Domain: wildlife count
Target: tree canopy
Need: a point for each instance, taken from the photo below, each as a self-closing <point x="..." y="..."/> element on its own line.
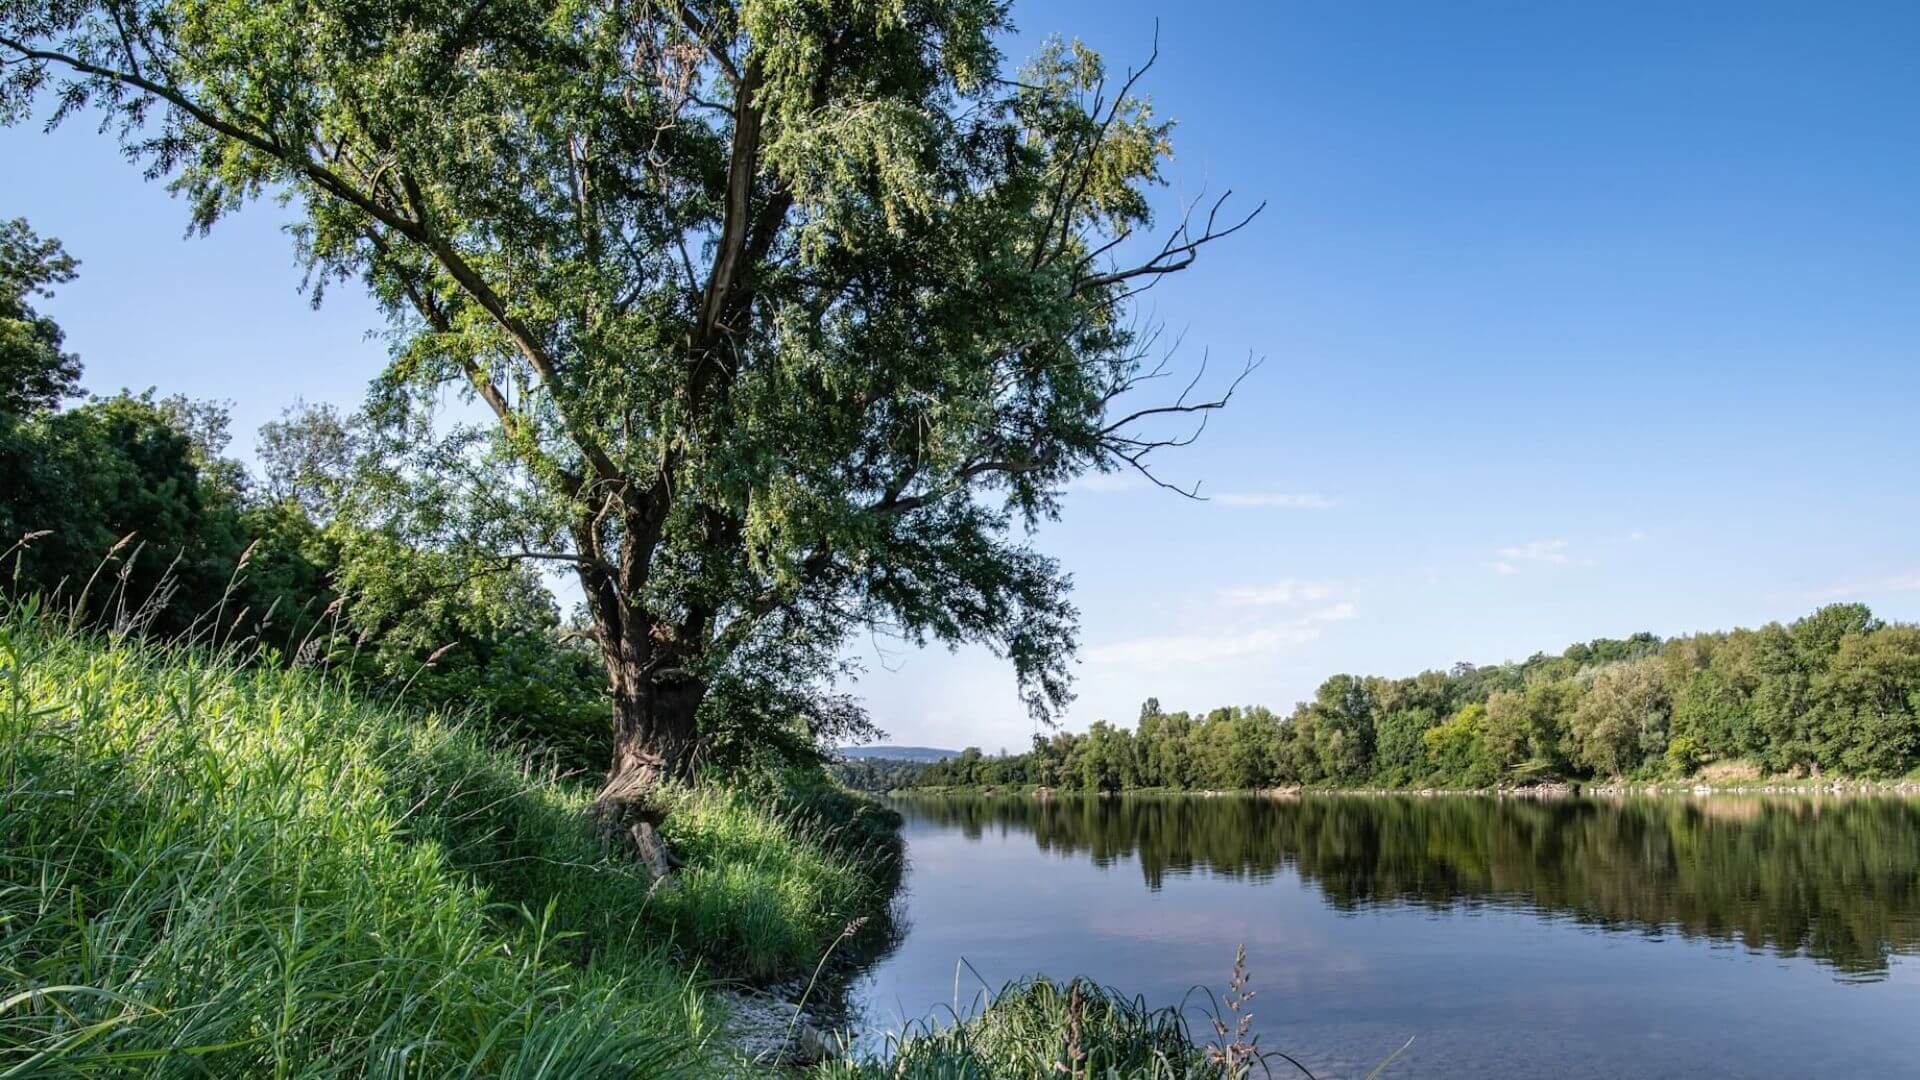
<point x="789" y="315"/>
<point x="34" y="373"/>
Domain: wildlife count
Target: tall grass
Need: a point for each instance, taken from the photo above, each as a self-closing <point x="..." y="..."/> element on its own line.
<point x="1079" y="1030"/>
<point x="768" y="888"/>
<point x="1038" y="1028"/>
<point x="210" y="869"/>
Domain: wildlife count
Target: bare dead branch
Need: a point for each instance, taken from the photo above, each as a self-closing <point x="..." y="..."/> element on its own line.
<point x="1179" y="250"/>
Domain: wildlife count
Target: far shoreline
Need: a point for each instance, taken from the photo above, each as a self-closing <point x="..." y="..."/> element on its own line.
<point x="1908" y="786"/>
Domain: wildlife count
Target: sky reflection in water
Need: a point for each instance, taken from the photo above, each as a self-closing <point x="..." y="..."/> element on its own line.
<point x="1728" y="935"/>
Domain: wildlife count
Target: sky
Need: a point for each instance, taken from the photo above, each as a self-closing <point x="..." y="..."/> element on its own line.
<point x="1576" y="320"/>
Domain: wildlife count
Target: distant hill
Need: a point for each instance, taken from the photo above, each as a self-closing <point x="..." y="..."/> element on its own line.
<point x="896" y="753"/>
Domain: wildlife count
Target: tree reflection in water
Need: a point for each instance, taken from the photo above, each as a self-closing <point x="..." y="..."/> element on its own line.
<point x="1837" y="880"/>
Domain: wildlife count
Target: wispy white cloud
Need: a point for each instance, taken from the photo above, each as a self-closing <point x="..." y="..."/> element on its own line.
<point x="1546" y="551"/>
<point x="1287" y="592"/>
<point x="1512" y="559"/>
<point x="1271" y="500"/>
<point x="1340" y="612"/>
<point x="1226" y="645"/>
<point x="1895" y="583"/>
<point x="1189" y="650"/>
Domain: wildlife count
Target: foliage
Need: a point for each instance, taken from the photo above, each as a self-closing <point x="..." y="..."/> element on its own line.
<point x="787" y="317"/>
<point x="1457" y="748"/>
<point x="1837" y="691"/>
<point x="876" y="774"/>
<point x="1621" y="719"/>
<point x="34" y="373"/>
<point x="308" y="455"/>
<point x="1867" y="697"/>
<point x="459" y="634"/>
<point x="116" y="476"/>
<point x="126" y="509"/>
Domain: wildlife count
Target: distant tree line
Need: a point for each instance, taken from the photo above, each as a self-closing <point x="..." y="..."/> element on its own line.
<point x="1837" y="692"/>
<point x="878" y="774"/>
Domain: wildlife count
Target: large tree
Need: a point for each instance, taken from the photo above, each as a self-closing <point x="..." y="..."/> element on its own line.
<point x="788" y="314"/>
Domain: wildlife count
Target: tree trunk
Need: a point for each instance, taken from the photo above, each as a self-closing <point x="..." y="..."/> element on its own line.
<point x="655" y="739"/>
<point x="655" y="736"/>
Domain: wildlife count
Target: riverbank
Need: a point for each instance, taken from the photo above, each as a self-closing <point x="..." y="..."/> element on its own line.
<point x="1756" y="785"/>
<point x="253" y="870"/>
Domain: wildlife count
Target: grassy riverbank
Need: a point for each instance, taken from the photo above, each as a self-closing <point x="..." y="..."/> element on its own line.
<point x="254" y="871"/>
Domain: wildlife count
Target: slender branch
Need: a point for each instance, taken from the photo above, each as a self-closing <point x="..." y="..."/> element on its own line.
<point x="1123" y="447"/>
<point x="1179" y="250"/>
<point x="572" y="558"/>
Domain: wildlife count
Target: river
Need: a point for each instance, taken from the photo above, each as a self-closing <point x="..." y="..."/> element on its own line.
<point x="1718" y="935"/>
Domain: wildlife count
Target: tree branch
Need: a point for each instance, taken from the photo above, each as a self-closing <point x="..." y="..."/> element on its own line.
<point x="741" y="170"/>
<point x="1179" y="250"/>
<point x="700" y="32"/>
<point x="1133" y="450"/>
<point x="332" y="183"/>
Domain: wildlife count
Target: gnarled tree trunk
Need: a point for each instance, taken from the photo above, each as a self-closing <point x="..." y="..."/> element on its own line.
<point x="656" y="736"/>
<point x="654" y="739"/>
<point x="655" y="733"/>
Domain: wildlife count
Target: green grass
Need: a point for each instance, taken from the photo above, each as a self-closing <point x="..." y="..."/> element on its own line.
<point x="208" y="870"/>
<point x="1041" y="1028"/>
<point x="761" y="904"/>
<point x="1081" y="1031"/>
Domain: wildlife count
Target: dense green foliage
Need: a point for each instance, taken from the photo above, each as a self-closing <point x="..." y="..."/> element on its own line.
<point x="125" y="511"/>
<point x="877" y="774"/>
<point x="34" y="373"/>
<point x="221" y="870"/>
<point x="1837" y="692"/>
<point x="785" y="317"/>
<point x="1837" y="880"/>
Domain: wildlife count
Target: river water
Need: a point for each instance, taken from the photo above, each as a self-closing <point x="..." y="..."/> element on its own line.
<point x="1719" y="936"/>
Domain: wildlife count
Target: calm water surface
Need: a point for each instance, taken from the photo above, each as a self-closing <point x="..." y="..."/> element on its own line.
<point x="1720" y="936"/>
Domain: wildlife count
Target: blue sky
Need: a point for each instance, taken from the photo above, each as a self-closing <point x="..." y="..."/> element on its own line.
<point x="1577" y="319"/>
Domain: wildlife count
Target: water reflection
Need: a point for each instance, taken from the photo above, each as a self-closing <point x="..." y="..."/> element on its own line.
<point x="1837" y="880"/>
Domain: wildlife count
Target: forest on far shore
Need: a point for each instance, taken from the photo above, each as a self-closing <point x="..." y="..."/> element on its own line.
<point x="1834" y="693"/>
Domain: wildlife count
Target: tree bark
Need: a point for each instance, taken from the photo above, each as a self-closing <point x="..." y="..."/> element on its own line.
<point x="655" y="739"/>
<point x="655" y="734"/>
